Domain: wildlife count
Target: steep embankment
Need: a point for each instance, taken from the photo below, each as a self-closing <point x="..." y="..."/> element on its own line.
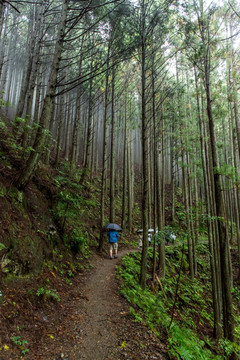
<point x="26" y="216"/>
<point x="54" y="212"/>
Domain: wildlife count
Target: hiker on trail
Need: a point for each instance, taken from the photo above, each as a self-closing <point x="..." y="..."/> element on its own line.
<point x="113" y="242"/>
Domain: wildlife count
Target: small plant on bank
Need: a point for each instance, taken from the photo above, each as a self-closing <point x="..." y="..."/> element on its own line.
<point x="77" y="242"/>
<point x="68" y="281"/>
<point x="4" y="103"/>
<point x="21" y="344"/>
<point x="47" y="294"/>
<point x="70" y="274"/>
<point x="2" y="246"/>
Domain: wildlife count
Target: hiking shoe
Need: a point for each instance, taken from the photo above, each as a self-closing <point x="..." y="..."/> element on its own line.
<point x="115" y="256"/>
<point x="110" y="258"/>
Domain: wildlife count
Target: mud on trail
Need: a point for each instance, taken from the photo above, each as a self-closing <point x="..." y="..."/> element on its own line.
<point x="92" y="322"/>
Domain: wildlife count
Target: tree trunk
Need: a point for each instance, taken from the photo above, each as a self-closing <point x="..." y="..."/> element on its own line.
<point x="26" y="78"/>
<point x="228" y="321"/>
<point x="130" y="187"/>
<point x="3" y="40"/>
<point x="32" y="161"/>
<point x="214" y="257"/>
<point x="89" y="137"/>
<point x="2" y="8"/>
<point x="124" y="181"/>
<point x="60" y="117"/>
<point x="68" y="128"/>
<point x="145" y="149"/>
<point x="112" y="167"/>
<point x="104" y="156"/>
<point x="161" y="196"/>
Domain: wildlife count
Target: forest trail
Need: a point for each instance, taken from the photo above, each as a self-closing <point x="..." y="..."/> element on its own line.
<point x="90" y="322"/>
<point x="107" y="332"/>
<point x="101" y="309"/>
<point x="104" y="329"/>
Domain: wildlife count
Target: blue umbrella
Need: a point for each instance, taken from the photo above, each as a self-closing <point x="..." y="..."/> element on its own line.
<point x="113" y="227"/>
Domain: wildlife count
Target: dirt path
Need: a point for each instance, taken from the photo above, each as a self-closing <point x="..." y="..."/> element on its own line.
<point x="91" y="322"/>
<point x="101" y="308"/>
<point x="107" y="332"/>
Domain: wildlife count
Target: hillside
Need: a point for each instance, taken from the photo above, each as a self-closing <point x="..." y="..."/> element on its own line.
<point x="53" y="211"/>
<point x="49" y="260"/>
<point x="48" y="234"/>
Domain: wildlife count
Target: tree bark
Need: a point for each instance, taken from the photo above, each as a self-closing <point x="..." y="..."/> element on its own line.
<point x="32" y="161"/>
<point x="124" y="181"/>
<point x="89" y="137"/>
<point x="104" y="156"/>
<point x="112" y="160"/>
<point x="145" y="149"/>
<point x="228" y="320"/>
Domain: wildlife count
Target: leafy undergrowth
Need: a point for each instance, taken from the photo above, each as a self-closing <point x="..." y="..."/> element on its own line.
<point x="33" y="307"/>
<point x="182" y="318"/>
<point x="53" y="212"/>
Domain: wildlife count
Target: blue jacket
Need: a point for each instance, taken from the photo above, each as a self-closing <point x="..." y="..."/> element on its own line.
<point x="113" y="236"/>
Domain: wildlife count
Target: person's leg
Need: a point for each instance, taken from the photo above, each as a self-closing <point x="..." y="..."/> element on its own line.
<point x="115" y="250"/>
<point x="111" y="251"/>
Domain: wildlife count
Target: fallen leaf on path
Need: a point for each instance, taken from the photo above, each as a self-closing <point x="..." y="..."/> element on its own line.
<point x="52" y="273"/>
<point x="124" y="345"/>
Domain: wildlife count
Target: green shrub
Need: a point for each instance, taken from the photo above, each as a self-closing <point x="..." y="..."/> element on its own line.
<point x="155" y="310"/>
<point x="47" y="294"/>
<point x="21" y="344"/>
<point x="77" y="242"/>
